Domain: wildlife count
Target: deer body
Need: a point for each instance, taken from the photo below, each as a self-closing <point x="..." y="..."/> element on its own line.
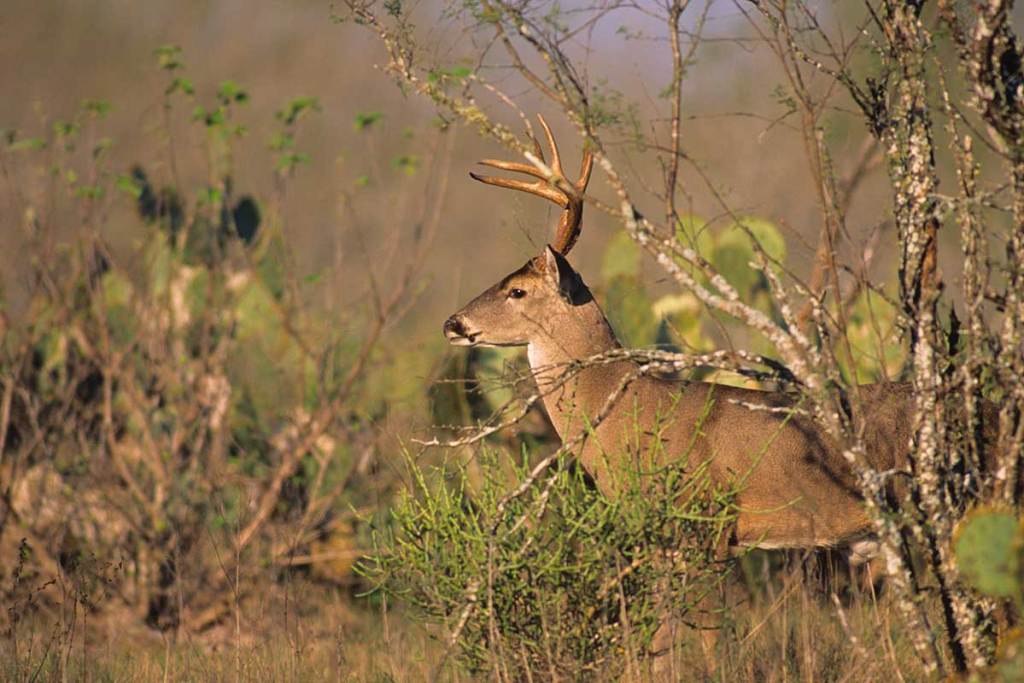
<point x="797" y="490"/>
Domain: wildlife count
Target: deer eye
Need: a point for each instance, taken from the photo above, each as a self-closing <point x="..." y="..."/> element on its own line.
<point x="516" y="293"/>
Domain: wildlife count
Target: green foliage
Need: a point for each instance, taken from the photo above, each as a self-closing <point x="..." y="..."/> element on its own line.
<point x="283" y="142"/>
<point x="630" y="312"/>
<point x="169" y="57"/>
<point x="229" y="92"/>
<point x="97" y="108"/>
<point x="560" y="578"/>
<point x="989" y="547"/>
<point x="1009" y="664"/>
<point x="874" y="339"/>
<point x="679" y="317"/>
<point x="693" y="232"/>
<point x="608" y="107"/>
<point x="734" y="251"/>
<point x="296" y="108"/>
<point x="626" y="302"/>
<point x="682" y="315"/>
<point x="621" y="257"/>
<point x="444" y="76"/>
<point x="365" y="120"/>
<point x="989" y="550"/>
<point x="406" y="163"/>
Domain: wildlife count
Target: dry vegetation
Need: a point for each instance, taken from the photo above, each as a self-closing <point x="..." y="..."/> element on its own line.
<point x="228" y="242"/>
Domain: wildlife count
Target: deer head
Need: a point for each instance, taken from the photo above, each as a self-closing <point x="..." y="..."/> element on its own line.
<point x="546" y="293"/>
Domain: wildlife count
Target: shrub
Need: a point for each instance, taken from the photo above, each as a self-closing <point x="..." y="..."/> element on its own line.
<point x="552" y="577"/>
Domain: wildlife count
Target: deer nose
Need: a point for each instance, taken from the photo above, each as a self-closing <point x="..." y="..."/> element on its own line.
<point x="453" y="327"/>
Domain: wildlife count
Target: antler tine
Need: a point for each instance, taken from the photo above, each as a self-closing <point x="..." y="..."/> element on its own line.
<point x="556" y="159"/>
<point x="570" y="200"/>
<point x="586" y="166"/>
<point x="569" y="225"/>
<point x="537" y="149"/>
<point x="518" y="167"/>
<point x="537" y="187"/>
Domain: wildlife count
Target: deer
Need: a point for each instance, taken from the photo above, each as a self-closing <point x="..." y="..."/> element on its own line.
<point x="798" y="490"/>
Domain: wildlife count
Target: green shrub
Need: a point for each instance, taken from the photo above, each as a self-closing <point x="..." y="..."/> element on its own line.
<point x="558" y="578"/>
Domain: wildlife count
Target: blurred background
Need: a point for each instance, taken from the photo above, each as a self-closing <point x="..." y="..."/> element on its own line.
<point x="56" y="54"/>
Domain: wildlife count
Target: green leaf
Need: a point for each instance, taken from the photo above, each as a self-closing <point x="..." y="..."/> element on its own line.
<point x="874" y="338"/>
<point x="231" y="92"/>
<point x="28" y="143"/>
<point x="492" y="373"/>
<point x="988" y="547"/>
<point x="117" y="298"/>
<point x="89" y="191"/>
<point x="767" y="235"/>
<point x="364" y="120"/>
<point x="282" y="141"/>
<point x="168" y="57"/>
<point x="270" y="264"/>
<point x="209" y="196"/>
<point x="731" y="258"/>
<point x="682" y="313"/>
<point x="180" y="84"/>
<point x="407" y="163"/>
<point x="102" y="146"/>
<point x="296" y="109"/>
<point x="98" y="108"/>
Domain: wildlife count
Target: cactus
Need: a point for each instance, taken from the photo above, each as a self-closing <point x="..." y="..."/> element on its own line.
<point x="734" y="251"/>
<point x="989" y="550"/>
<point x="989" y="545"/>
<point x="874" y="339"/>
<point x="626" y="302"/>
<point x="641" y="322"/>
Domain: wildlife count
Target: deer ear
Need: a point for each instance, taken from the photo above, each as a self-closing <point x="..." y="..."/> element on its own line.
<point x="560" y="274"/>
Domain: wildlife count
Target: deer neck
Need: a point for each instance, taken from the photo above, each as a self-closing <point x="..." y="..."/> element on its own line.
<point x="572" y="396"/>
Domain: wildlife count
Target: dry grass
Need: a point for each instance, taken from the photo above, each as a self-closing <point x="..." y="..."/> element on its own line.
<point x="788" y="629"/>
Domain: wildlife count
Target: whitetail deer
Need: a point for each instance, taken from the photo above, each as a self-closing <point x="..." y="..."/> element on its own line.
<point x="797" y="492"/>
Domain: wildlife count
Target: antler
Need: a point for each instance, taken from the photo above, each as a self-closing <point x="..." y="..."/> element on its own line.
<point x="549" y="188"/>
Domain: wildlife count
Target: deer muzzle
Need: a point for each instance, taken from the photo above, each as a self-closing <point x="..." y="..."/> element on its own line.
<point x="456" y="333"/>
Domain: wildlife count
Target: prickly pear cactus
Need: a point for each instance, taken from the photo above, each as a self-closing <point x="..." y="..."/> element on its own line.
<point x="989" y="550"/>
<point x="626" y="302"/>
<point x="988" y="547"/>
<point x="734" y="251"/>
<point x="874" y="339"/>
<point x="679" y="317"/>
